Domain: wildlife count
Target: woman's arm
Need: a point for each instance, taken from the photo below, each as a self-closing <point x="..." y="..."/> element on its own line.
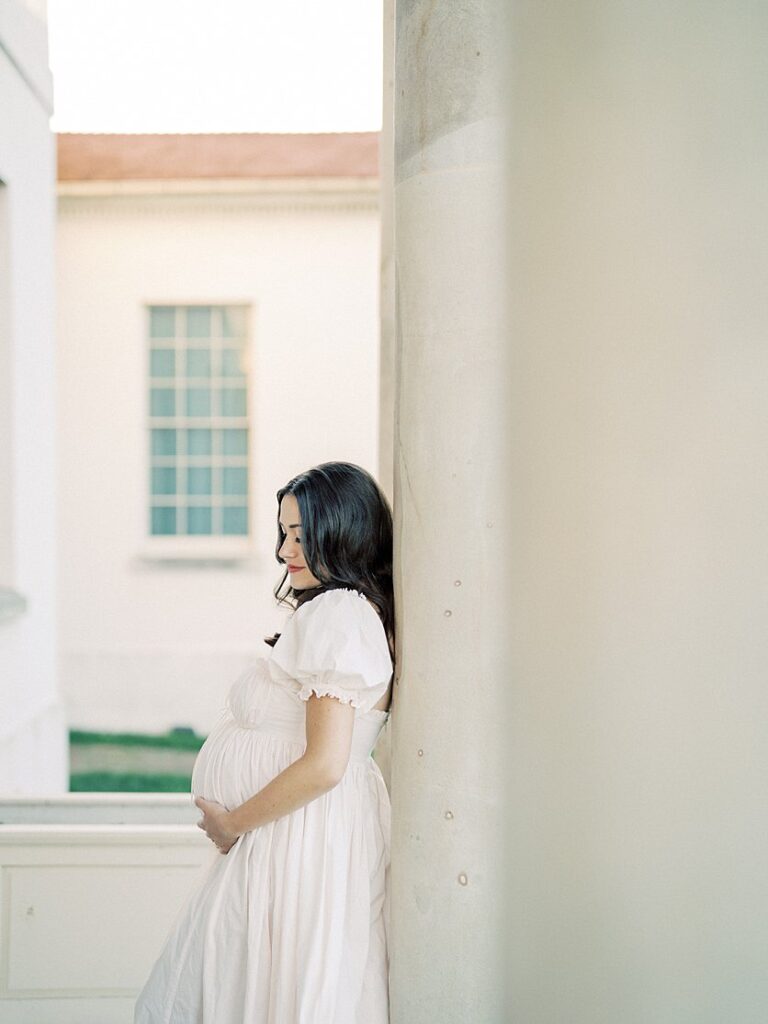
<point x="329" y="725"/>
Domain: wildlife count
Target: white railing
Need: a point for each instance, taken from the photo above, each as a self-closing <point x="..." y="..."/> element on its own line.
<point x="90" y="885"/>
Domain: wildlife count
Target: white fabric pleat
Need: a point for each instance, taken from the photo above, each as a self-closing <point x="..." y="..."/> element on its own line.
<point x="291" y="926"/>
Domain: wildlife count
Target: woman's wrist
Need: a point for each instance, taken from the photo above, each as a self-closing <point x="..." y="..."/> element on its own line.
<point x="233" y="824"/>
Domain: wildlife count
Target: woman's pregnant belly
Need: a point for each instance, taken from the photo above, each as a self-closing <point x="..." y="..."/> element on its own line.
<point x="260" y="732"/>
<point x="237" y="761"/>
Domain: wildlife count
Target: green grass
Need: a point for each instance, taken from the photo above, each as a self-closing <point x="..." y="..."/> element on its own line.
<point x="123" y="782"/>
<point x="170" y="741"/>
<point x="105" y="781"/>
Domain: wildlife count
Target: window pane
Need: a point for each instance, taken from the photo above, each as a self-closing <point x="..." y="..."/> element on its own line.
<point x="163" y="480"/>
<point x="199" y="520"/>
<point x="198" y="442"/>
<point x="162" y="321"/>
<point x="162" y="362"/>
<point x="234" y="480"/>
<point x="163" y="442"/>
<point x="163" y="520"/>
<point x="198" y="402"/>
<point x="198" y="362"/>
<point x="232" y="360"/>
<point x="198" y="321"/>
<point x="162" y="402"/>
<point x="233" y="402"/>
<point x="186" y="459"/>
<point x="199" y="480"/>
<point x="233" y="322"/>
<point x="234" y="442"/>
<point x="234" y="520"/>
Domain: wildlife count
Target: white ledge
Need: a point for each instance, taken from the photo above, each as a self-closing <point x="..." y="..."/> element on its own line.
<point x="198" y="552"/>
<point x="352" y="186"/>
<point x="101" y="835"/>
<point x="70" y="809"/>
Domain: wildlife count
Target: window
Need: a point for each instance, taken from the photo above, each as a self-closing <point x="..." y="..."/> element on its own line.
<point x="198" y="421"/>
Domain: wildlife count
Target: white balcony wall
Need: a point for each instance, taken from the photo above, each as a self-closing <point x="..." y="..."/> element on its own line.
<point x="149" y="640"/>
<point x="33" y="755"/>
<point x="91" y="887"/>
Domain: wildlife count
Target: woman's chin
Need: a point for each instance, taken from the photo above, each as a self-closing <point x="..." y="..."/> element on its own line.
<point x="305" y="586"/>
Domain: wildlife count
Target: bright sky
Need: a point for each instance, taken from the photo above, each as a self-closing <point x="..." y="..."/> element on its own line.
<point x="216" y="65"/>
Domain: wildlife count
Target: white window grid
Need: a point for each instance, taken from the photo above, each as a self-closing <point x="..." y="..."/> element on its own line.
<point x="180" y="423"/>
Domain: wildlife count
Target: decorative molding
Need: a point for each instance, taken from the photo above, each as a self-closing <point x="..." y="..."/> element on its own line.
<point x="198" y="561"/>
<point x="94" y="808"/>
<point x="217" y="196"/>
<point x="12" y="604"/>
<point x="99" y="835"/>
<point x="208" y="556"/>
<point x="220" y="186"/>
<point x="206" y="205"/>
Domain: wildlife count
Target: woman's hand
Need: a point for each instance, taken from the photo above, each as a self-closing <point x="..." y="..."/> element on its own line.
<point x="215" y="824"/>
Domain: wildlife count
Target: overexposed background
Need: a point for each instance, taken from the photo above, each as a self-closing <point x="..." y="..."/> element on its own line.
<point x="236" y="66"/>
<point x="114" y="628"/>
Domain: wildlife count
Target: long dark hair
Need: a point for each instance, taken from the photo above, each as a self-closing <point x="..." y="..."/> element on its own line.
<point x="346" y="527"/>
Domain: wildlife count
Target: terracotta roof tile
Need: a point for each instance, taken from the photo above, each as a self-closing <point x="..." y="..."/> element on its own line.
<point x="117" y="157"/>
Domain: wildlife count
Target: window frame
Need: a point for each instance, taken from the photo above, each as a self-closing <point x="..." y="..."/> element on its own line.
<point x="214" y="549"/>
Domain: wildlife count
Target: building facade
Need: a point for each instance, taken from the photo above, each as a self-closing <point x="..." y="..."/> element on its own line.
<point x="33" y="749"/>
<point x="218" y="333"/>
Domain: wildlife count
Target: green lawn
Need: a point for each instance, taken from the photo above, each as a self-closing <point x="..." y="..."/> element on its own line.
<point x="129" y="762"/>
<point x="180" y="739"/>
<point x="127" y="782"/>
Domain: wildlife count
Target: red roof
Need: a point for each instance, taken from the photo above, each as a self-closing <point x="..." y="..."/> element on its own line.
<point x="246" y="155"/>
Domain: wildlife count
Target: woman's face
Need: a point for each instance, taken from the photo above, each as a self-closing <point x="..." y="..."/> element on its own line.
<point x="290" y="550"/>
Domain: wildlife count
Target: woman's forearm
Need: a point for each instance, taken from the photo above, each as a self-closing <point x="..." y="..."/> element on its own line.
<point x="301" y="782"/>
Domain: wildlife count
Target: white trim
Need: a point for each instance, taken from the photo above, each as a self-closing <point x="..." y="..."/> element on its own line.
<point x="96" y="835"/>
<point x="169" y="204"/>
<point x="219" y="186"/>
<point x="211" y="556"/>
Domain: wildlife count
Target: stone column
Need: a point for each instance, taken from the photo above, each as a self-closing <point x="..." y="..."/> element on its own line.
<point x="450" y="516"/>
<point x="639" y="742"/>
<point x="387" y="256"/>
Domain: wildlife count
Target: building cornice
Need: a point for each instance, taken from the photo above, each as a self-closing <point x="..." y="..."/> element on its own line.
<point x="217" y="196"/>
<point x="220" y="186"/>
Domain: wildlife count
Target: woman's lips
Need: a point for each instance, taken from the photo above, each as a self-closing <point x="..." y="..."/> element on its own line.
<point x="295" y="568"/>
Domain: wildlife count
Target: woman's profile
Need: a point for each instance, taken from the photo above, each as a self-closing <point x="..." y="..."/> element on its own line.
<point x="289" y="926"/>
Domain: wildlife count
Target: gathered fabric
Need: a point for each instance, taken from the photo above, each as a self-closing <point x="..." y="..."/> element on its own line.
<point x="291" y="925"/>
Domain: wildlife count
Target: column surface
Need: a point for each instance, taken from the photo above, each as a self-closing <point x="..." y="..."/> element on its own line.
<point x="450" y="517"/>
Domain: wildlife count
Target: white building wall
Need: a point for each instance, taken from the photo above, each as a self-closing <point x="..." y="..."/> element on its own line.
<point x="150" y="643"/>
<point x="33" y="751"/>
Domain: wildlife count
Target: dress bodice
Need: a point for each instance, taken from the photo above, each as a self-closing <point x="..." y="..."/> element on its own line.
<point x="260" y="699"/>
<point x="333" y="645"/>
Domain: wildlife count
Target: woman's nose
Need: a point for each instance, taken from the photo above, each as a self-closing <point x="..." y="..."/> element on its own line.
<point x="286" y="549"/>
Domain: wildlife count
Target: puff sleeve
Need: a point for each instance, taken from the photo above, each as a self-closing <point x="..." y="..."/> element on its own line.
<point x="335" y="645"/>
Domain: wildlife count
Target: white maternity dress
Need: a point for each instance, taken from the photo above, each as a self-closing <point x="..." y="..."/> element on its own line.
<point x="290" y="926"/>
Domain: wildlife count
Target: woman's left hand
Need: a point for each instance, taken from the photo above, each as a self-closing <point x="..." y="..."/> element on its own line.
<point x="215" y="824"/>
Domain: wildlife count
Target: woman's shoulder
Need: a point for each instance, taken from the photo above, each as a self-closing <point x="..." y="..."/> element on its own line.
<point x="342" y="611"/>
<point x="336" y="639"/>
<point x="340" y="601"/>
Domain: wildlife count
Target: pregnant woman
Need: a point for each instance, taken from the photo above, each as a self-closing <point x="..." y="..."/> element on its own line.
<point x="290" y="923"/>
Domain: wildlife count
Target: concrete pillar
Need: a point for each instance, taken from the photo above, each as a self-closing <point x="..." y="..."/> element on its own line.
<point x="387" y="255"/>
<point x="450" y="517"/>
<point x="639" y="742"/>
